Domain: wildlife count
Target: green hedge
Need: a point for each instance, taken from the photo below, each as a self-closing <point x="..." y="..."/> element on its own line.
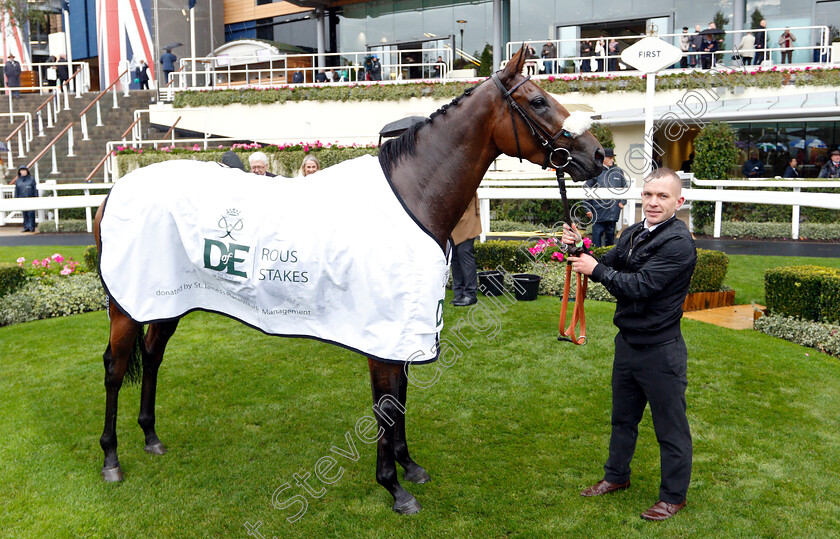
<point x="12" y="277"/>
<point x="709" y="272"/>
<point x="91" y="258"/>
<point x="807" y="292"/>
<point x="809" y="231"/>
<point x="513" y="256"/>
<point x="64" y="225"/>
<point x="284" y="162"/>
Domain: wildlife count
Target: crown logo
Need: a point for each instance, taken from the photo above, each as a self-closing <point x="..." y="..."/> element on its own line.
<point x="233" y="212"/>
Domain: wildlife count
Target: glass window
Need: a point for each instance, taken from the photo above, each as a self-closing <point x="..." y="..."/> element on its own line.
<point x="817" y="138"/>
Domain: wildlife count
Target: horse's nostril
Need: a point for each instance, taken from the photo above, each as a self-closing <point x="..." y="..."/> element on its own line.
<point x="599" y="155"/>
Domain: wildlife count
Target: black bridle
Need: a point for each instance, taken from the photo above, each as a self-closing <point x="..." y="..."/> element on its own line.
<point x="554" y="157"/>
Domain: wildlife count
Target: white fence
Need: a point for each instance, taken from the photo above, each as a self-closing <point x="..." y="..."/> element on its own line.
<point x="10" y="208"/>
<point x="495" y="187"/>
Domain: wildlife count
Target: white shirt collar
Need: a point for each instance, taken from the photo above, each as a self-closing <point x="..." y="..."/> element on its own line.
<point x="652" y="228"/>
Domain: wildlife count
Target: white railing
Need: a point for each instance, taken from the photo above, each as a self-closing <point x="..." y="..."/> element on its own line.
<point x="570" y="50"/>
<point x="24" y="136"/>
<point x="9" y="205"/>
<point x="225" y="71"/>
<point x="795" y="197"/>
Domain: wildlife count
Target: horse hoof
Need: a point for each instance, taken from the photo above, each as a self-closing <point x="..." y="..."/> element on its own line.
<point x="419" y="477"/>
<point x="112" y="475"/>
<point x="155" y="449"/>
<point x="410" y="507"/>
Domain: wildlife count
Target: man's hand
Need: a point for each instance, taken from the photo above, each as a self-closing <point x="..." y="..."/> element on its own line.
<point x="570" y="235"/>
<point x="584" y="263"/>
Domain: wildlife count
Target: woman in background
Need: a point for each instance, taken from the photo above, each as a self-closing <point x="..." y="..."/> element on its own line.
<point x="310" y="165"/>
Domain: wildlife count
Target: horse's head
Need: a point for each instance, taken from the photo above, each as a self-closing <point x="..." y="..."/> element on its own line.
<point x="534" y="126"/>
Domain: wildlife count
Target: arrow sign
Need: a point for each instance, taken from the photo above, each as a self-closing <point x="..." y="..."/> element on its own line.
<point x="651" y="54"/>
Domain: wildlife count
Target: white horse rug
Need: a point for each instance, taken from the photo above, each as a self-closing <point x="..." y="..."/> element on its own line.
<point x="333" y="256"/>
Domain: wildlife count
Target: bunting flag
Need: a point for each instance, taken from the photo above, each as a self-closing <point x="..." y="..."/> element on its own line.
<point x="123" y="35"/>
<point x="14" y="42"/>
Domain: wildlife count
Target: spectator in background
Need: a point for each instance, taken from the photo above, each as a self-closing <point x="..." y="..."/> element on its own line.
<point x="437" y="70"/>
<point x="790" y="171"/>
<point x="321" y="76"/>
<point x="167" y="65"/>
<point x="464" y="276"/>
<point x="613" y="52"/>
<point x="605" y="213"/>
<point x="297" y="77"/>
<point x="754" y="167"/>
<point x="746" y="48"/>
<point x="549" y="56"/>
<point x="26" y="187"/>
<point x="709" y="49"/>
<point x="50" y="76"/>
<point x="760" y="45"/>
<point x="61" y="71"/>
<point x="586" y="51"/>
<point x="786" y="41"/>
<point x="259" y="164"/>
<point x="832" y="168"/>
<point x="688" y="163"/>
<point x="143" y="75"/>
<point x="685" y="47"/>
<point x="12" y="72"/>
<point x="375" y="69"/>
<point x="696" y="47"/>
<point x="600" y="53"/>
<point x="309" y="165"/>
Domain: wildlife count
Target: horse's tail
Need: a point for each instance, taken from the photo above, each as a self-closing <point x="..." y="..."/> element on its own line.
<point x="134" y="370"/>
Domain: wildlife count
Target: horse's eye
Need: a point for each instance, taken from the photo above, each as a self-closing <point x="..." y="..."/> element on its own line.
<point x="539" y="102"/>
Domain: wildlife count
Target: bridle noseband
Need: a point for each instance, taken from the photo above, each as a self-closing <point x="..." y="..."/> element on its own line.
<point x="554" y="157"/>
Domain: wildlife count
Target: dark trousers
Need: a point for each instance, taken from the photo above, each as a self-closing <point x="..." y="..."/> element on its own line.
<point x="759" y="56"/>
<point x="166" y="76"/>
<point x="684" y="61"/>
<point x="789" y="55"/>
<point x="656" y="375"/>
<point x="29" y="220"/>
<point x="605" y="229"/>
<point x="464" y="276"/>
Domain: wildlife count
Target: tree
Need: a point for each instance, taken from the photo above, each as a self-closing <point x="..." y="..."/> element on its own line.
<point x="756" y="19"/>
<point x="715" y="154"/>
<point x="603" y="134"/>
<point x="486" y="67"/>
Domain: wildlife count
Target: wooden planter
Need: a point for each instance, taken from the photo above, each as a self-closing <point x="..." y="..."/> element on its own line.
<point x="708" y="300"/>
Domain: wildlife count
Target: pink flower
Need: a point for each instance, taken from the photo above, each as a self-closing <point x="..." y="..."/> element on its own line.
<point x="587" y="243"/>
<point x="58" y="258"/>
<point x="36" y="262"/>
<point x="45" y="262"/>
<point x="20" y="261"/>
<point x="557" y="255"/>
<point x="67" y="270"/>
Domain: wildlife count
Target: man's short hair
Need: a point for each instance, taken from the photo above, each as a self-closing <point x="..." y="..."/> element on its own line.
<point x="257" y="156"/>
<point x="665" y="172"/>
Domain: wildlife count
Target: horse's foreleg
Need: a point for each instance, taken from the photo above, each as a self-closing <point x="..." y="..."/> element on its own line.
<point x="155" y="343"/>
<point x="385" y="383"/>
<point x="413" y="471"/>
<point x="121" y="341"/>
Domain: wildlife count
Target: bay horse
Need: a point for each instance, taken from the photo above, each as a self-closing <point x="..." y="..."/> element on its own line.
<point x="435" y="169"/>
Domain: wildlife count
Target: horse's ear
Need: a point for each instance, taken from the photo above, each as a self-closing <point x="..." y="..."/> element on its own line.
<point x="515" y="64"/>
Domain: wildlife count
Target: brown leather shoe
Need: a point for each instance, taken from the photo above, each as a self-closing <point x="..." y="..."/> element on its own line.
<point x="604" y="487"/>
<point x="662" y="510"/>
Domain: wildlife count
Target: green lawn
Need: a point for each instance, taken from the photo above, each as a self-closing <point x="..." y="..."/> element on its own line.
<point x="510" y="434"/>
<point x="745" y="273"/>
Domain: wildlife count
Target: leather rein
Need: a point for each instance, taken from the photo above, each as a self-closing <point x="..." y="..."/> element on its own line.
<point x="554" y="158"/>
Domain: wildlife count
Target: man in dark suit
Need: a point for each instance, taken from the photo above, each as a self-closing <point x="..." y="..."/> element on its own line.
<point x="12" y="72"/>
<point x="648" y="272"/>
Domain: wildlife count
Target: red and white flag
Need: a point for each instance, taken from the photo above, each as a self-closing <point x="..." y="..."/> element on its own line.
<point x="122" y="35"/>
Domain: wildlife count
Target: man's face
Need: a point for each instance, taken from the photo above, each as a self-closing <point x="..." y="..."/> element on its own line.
<point x="696" y="27"/>
<point x="835" y="159"/>
<point x="609" y="161"/>
<point x="661" y="199"/>
<point x="793" y="163"/>
<point x="258" y="167"/>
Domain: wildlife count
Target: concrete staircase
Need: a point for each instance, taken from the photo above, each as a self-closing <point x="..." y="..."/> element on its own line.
<point x="88" y="153"/>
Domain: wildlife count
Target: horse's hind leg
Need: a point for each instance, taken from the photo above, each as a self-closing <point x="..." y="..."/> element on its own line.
<point x="413" y="471"/>
<point x="385" y="383"/>
<point x="154" y="345"/>
<point x="124" y="332"/>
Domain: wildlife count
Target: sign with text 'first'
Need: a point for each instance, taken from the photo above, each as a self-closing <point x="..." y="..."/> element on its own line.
<point x="651" y="54"/>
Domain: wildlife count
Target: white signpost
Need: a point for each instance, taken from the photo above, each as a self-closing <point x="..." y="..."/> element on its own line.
<point x="650" y="55"/>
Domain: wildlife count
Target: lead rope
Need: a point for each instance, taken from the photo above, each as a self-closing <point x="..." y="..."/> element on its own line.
<point x="567" y="333"/>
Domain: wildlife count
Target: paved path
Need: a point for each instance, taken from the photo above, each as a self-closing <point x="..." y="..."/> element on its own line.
<point x="12" y="236"/>
<point x="734" y="317"/>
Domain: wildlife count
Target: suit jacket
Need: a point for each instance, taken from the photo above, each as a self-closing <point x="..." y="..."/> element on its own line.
<point x="470" y="224"/>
